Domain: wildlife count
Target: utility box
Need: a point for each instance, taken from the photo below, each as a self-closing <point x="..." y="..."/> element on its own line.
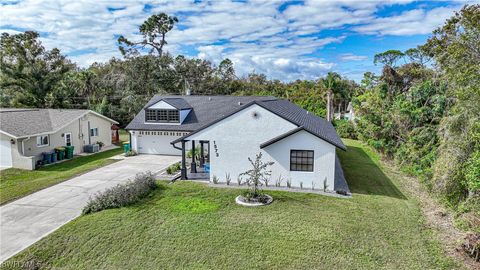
<point x="91" y="148"/>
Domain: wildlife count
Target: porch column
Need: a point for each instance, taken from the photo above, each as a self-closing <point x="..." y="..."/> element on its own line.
<point x="193" y="165"/>
<point x="208" y="152"/>
<point x="183" y="170"/>
<point x="202" y="157"/>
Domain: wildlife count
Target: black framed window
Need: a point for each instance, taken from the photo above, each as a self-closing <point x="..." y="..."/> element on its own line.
<point x="173" y="116"/>
<point x="301" y="160"/>
<point x="162" y="116"/>
<point x="151" y="115"/>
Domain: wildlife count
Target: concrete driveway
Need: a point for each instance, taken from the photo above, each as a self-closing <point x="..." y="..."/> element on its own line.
<point x="27" y="220"/>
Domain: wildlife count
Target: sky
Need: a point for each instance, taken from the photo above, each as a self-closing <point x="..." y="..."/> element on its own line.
<point x="286" y="40"/>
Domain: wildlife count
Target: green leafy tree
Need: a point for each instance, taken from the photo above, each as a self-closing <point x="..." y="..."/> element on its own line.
<point x="257" y="175"/>
<point x="456" y="49"/>
<point x="388" y="58"/>
<point x="154" y="31"/>
<point x="29" y="72"/>
<point x="417" y="55"/>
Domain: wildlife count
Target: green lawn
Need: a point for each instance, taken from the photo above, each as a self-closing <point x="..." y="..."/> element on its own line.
<point x="189" y="225"/>
<point x="16" y="183"/>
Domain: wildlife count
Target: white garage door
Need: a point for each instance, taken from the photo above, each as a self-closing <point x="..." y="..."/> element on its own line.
<point x="5" y="153"/>
<point x="155" y="144"/>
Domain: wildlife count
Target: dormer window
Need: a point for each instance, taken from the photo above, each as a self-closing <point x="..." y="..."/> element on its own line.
<point x="162" y="116"/>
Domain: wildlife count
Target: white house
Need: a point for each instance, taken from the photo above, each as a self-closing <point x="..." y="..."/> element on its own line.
<point x="348" y="114"/>
<point x="231" y="129"/>
<point x="26" y="133"/>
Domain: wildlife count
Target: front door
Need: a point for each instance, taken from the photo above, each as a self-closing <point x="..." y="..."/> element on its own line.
<point x="68" y="139"/>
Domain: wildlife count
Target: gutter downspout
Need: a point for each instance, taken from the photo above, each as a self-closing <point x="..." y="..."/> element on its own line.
<point x="129" y="140"/>
<point x="23" y="145"/>
<point x="89" y="135"/>
<point x="183" y="172"/>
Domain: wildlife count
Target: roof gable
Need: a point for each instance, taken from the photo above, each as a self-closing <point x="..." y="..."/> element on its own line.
<point x="19" y="123"/>
<point x="169" y="103"/>
<point x="162" y="105"/>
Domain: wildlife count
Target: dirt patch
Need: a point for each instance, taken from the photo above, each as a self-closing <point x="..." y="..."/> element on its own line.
<point x="438" y="218"/>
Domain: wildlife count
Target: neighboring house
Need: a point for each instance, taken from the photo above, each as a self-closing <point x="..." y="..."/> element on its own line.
<point x="231" y="129"/>
<point x="348" y="114"/>
<point x="26" y="133"/>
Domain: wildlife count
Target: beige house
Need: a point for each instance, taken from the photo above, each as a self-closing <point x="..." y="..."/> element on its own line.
<point x="26" y="133"/>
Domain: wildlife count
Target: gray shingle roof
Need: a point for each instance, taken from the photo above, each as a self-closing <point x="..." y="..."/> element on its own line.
<point x="310" y="122"/>
<point x="27" y="122"/>
<point x="210" y="109"/>
<point x="206" y="109"/>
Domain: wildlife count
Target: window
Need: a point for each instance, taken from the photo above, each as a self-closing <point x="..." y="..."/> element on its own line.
<point x="301" y="160"/>
<point x="42" y="140"/>
<point x="162" y="116"/>
<point x="68" y="139"/>
<point x="173" y="116"/>
<point x="94" y="132"/>
<point x="151" y="115"/>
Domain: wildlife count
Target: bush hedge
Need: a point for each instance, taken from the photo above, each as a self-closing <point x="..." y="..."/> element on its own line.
<point x="122" y="194"/>
<point x="345" y="128"/>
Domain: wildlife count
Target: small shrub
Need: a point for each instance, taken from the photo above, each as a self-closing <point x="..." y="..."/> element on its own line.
<point x="345" y="128"/>
<point x="227" y="178"/>
<point x="313" y="185"/>
<point x="239" y="180"/>
<point x="301" y="185"/>
<point x="197" y="153"/>
<point x="278" y="181"/>
<point x="122" y="194"/>
<point x="325" y="185"/>
<point x="100" y="144"/>
<point x="131" y="153"/>
<point x="289" y="182"/>
<point x="172" y="169"/>
<point x="215" y="179"/>
<point x="258" y="174"/>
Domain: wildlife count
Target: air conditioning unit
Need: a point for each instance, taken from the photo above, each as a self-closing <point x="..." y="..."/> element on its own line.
<point x="91" y="148"/>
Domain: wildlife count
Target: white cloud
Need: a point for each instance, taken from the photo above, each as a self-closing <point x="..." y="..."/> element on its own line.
<point x="255" y="35"/>
<point x="352" y="57"/>
<point x="412" y="22"/>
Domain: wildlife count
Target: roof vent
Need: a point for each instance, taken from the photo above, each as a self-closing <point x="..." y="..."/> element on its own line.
<point x="209" y="98"/>
<point x="240" y="103"/>
<point x="308" y="112"/>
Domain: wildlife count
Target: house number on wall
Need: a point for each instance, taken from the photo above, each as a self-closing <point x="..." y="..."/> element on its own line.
<point x="215" y="147"/>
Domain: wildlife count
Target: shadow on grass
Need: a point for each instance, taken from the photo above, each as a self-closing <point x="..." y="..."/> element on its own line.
<point x="364" y="176"/>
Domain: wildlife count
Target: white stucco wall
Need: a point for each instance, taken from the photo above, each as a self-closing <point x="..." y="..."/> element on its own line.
<point x="162" y="105"/>
<point x="239" y="136"/>
<point x="323" y="166"/>
<point x="80" y="137"/>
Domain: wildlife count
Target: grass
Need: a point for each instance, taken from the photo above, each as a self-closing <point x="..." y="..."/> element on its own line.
<point x="189" y="225"/>
<point x="16" y="183"/>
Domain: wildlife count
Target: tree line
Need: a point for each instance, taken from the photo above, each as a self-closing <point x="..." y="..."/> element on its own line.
<point x="423" y="110"/>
